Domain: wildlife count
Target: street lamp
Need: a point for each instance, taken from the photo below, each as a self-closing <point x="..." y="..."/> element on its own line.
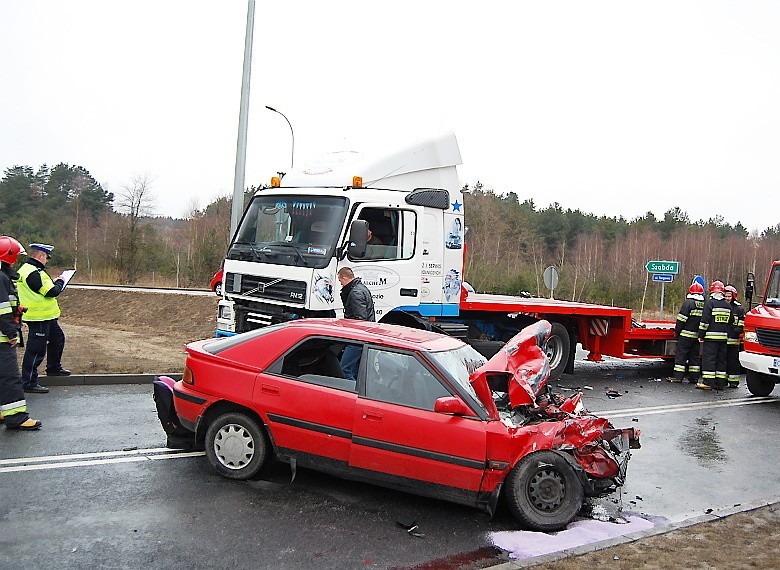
<point x="292" y="134"/>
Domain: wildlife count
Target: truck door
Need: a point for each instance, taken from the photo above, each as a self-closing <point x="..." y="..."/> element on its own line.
<point x="391" y="267"/>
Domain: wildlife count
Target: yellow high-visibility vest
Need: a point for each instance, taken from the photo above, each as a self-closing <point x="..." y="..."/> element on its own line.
<point x="39" y="308"/>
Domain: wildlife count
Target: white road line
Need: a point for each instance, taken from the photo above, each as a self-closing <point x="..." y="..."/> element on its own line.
<point x="56" y="461"/>
<point x="686" y="407"/>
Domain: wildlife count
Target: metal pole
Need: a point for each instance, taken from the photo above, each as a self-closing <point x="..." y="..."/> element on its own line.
<point x="292" y="134"/>
<point x="243" y="116"/>
<point x="663" y="286"/>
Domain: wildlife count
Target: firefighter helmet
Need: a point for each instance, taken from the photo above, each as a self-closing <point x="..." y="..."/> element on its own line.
<point x="10" y="249"/>
<point x="717" y="287"/>
<point x="696" y="288"/>
<point x="733" y="290"/>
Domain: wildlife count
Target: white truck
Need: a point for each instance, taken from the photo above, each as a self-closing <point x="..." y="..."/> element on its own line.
<point x="292" y="239"/>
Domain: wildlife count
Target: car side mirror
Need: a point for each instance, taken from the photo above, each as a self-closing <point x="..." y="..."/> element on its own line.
<point x="451" y="405"/>
<point x="358" y="239"/>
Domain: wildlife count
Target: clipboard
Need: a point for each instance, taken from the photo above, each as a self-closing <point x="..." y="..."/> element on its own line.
<point x="66" y="276"/>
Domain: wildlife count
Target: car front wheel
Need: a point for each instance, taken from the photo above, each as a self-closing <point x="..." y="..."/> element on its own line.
<point x="543" y="491"/>
<point x="236" y="446"/>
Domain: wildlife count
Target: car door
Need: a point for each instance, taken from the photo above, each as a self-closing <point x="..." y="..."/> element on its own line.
<point x="398" y="436"/>
<point x="309" y="403"/>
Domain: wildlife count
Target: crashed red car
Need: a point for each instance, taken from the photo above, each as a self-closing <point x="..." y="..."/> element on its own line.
<point x="216" y="282"/>
<point x="427" y="414"/>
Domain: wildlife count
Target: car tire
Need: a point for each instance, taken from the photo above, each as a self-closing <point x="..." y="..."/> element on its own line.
<point x="236" y="446"/>
<point x="759" y="384"/>
<point x="558" y="350"/>
<point x="543" y="491"/>
<point x="218" y="289"/>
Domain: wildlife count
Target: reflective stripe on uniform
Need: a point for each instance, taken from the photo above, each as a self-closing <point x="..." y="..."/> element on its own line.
<point x="689" y="334"/>
<point x="14" y="408"/>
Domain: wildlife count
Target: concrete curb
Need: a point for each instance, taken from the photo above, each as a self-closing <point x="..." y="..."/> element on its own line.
<point x="633" y="537"/>
<point x="101" y="379"/>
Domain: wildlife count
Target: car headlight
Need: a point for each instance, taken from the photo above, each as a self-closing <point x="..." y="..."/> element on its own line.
<point x="751" y="336"/>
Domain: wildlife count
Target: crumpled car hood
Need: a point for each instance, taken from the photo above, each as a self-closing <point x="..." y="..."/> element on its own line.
<point x="524" y="359"/>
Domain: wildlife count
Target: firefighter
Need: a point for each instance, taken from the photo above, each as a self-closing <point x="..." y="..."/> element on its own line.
<point x="13" y="406"/>
<point x="45" y="338"/>
<point x="733" y="367"/>
<point x="713" y="333"/>
<point x="687" y="358"/>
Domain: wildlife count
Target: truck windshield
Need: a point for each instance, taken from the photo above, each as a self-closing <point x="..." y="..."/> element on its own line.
<point x="772" y="296"/>
<point x="290" y="230"/>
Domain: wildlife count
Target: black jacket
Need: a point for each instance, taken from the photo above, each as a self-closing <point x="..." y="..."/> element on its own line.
<point x="8" y="325"/>
<point x="689" y="318"/>
<point x="357" y="301"/>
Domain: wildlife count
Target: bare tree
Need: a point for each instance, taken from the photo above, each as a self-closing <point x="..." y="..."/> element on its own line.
<point x="135" y="202"/>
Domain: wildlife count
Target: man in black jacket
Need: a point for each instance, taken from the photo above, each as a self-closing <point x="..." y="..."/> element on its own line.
<point x="358" y="304"/>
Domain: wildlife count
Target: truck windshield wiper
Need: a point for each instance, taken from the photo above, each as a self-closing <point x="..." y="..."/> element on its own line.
<point x="295" y="248"/>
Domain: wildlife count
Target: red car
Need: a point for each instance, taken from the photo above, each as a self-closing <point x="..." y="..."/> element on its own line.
<point x="216" y="282"/>
<point x="427" y="414"/>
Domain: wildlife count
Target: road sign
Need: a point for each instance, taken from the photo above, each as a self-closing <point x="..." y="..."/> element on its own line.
<point x="663" y="277"/>
<point x="550" y="277"/>
<point x="672" y="267"/>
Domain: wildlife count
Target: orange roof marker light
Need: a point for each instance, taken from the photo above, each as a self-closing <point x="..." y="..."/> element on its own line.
<point x="357" y="181"/>
<point x="276" y="182"/>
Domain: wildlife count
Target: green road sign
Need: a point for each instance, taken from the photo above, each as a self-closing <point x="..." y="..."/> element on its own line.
<point x="672" y="267"/>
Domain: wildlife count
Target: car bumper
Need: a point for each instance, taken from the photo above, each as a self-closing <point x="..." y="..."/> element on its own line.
<point x="189" y="404"/>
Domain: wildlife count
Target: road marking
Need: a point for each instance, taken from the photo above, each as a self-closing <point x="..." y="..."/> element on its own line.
<point x="687" y="407"/>
<point x="85" y="459"/>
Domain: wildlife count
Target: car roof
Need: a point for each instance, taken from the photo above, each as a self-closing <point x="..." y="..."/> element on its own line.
<point x="368" y="331"/>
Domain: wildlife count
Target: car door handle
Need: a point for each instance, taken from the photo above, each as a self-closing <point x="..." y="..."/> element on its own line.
<point x="372" y="416"/>
<point x="267" y="389"/>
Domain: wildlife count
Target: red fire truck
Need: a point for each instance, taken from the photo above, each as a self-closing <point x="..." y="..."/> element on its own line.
<point x="760" y="356"/>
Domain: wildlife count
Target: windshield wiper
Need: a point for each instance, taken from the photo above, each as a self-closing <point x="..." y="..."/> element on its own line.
<point x="295" y="248"/>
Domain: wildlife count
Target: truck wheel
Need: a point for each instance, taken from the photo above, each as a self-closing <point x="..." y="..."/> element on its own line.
<point x="236" y="446"/>
<point x="759" y="384"/>
<point x="558" y="349"/>
<point x="543" y="491"/>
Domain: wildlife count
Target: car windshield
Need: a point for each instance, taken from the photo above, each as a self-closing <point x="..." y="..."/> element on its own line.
<point x="459" y="364"/>
<point x="290" y="230"/>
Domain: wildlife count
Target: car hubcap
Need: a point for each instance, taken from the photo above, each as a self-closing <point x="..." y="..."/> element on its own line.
<point x="546" y="490"/>
<point x="554" y="351"/>
<point x="234" y="446"/>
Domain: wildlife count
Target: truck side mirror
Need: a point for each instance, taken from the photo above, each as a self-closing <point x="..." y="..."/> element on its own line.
<point x="358" y="239"/>
<point x="750" y="287"/>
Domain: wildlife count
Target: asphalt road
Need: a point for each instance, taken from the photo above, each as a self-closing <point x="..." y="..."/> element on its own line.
<point x="94" y="488"/>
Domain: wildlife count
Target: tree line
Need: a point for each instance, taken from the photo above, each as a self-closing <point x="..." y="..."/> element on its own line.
<point x="117" y="238"/>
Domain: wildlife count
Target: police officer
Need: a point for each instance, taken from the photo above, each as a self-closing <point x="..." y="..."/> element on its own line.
<point x="686" y="331"/>
<point x="13" y="406"/>
<point x="733" y="367"/>
<point x="713" y="333"/>
<point x="38" y="293"/>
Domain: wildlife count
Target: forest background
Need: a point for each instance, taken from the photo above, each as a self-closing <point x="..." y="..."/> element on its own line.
<point x="118" y="239"/>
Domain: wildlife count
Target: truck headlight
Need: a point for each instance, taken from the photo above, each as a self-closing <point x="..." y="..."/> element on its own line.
<point x="226" y="312"/>
<point x="751" y="336"/>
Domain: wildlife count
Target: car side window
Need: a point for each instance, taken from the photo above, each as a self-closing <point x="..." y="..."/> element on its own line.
<point x="392" y="233"/>
<point x="316" y="361"/>
<point x="401" y="379"/>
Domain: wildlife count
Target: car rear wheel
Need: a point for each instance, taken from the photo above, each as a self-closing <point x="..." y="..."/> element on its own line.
<point x="543" y="491"/>
<point x="236" y="446"/>
<point x="759" y="384"/>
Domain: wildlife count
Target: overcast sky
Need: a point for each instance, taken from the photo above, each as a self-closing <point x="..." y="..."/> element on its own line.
<point x="615" y="108"/>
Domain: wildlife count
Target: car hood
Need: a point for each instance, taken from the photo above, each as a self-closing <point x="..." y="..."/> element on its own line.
<point x="523" y="362"/>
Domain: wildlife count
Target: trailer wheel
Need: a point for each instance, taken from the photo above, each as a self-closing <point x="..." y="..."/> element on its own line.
<point x="543" y="491"/>
<point x="759" y="384"/>
<point x="558" y="349"/>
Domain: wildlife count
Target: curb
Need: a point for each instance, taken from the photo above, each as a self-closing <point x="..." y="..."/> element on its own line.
<point x="102" y="379"/>
<point x="633" y="537"/>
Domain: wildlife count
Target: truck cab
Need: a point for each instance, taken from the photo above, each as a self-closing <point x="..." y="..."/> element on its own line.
<point x="760" y="356"/>
<point x="397" y="222"/>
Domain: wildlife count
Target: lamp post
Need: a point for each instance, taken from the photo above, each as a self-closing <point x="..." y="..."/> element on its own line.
<point x="292" y="134"/>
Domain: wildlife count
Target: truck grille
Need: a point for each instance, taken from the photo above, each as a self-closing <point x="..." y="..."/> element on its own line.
<point x="293" y="292"/>
<point x="768" y="337"/>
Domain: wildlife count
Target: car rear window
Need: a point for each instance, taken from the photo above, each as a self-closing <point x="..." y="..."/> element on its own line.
<point x="228" y="342"/>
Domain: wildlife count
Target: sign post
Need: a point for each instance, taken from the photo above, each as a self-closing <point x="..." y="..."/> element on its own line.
<point x="663" y="273"/>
